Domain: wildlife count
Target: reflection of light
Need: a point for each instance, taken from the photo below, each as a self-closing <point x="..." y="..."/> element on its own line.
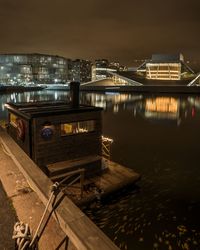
<point x="193" y="112"/>
<point x="56" y="95"/>
<point x="115" y="108"/>
<point x="162" y="104"/>
<point x="28" y="98"/>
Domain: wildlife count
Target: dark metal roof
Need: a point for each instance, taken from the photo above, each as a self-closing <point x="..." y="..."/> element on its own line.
<point x="39" y="109"/>
<point x="166" y="58"/>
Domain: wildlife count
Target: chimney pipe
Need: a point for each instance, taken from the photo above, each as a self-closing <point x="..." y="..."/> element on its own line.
<point x="74" y="94"/>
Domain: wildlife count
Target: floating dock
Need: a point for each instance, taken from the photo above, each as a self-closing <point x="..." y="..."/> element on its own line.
<point x="111" y="179"/>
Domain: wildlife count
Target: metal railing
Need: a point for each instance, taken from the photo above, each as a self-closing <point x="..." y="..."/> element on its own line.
<point x="106" y="147"/>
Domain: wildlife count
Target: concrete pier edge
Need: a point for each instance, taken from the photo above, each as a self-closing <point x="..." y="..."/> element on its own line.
<point x="82" y="232"/>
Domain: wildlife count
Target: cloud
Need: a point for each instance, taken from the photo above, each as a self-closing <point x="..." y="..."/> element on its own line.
<point x="95" y="29"/>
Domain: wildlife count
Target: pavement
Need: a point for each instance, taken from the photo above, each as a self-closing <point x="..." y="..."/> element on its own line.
<point x="8" y="218"/>
<point x="18" y="202"/>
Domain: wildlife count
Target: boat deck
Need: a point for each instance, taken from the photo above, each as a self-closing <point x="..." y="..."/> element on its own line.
<point x="112" y="179"/>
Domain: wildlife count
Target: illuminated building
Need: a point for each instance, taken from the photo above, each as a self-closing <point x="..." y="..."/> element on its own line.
<point x="81" y="70"/>
<point x="165" y="67"/>
<point x="20" y="69"/>
<point x="101" y="69"/>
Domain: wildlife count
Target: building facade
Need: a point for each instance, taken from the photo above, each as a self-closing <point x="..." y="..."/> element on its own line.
<point x="101" y="69"/>
<point x="165" y="67"/>
<point x="22" y="69"/>
<point x="81" y="70"/>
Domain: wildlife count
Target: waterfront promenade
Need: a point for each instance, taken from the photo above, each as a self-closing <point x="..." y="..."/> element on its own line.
<point x="81" y="231"/>
<point x="18" y="200"/>
<point x="7" y="219"/>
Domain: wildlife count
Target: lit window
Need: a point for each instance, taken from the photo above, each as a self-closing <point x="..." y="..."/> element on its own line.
<point x="77" y="127"/>
<point x="13" y="120"/>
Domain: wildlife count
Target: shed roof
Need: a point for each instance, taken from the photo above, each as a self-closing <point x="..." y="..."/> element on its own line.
<point x="39" y="109"/>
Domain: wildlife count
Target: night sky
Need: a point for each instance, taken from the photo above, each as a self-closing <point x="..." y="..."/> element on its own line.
<point x="91" y="29"/>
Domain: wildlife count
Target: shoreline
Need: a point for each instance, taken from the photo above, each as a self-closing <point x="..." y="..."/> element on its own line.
<point x="10" y="89"/>
<point x="178" y="89"/>
<point x="144" y="89"/>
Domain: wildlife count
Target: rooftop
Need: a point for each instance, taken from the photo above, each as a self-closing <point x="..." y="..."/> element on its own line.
<point x="38" y="109"/>
<point x="166" y="58"/>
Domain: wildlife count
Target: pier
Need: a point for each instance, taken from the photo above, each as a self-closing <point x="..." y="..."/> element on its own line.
<point x="80" y="230"/>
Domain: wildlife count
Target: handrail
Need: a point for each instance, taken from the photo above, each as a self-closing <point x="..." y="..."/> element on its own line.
<point x="72" y="173"/>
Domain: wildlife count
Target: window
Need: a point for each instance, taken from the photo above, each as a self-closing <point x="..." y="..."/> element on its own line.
<point x="77" y="127"/>
<point x="13" y="120"/>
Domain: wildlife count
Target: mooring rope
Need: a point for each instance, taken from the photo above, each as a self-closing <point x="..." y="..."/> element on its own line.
<point x="22" y="236"/>
<point x="21" y="233"/>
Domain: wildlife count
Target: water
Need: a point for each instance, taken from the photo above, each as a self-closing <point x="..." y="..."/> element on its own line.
<point x="158" y="136"/>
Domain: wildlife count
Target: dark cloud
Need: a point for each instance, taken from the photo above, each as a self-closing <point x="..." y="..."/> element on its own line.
<point x="122" y="30"/>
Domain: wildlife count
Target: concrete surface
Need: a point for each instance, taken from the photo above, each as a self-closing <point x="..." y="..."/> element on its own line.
<point x="15" y="190"/>
<point x="8" y="218"/>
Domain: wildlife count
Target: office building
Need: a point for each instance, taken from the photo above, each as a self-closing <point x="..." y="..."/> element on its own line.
<point x="81" y="70"/>
<point x="22" y="69"/>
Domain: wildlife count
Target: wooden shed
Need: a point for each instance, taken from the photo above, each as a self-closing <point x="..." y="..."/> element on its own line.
<point x="51" y="132"/>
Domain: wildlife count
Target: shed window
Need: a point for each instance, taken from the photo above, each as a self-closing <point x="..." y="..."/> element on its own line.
<point x="13" y="120"/>
<point x="77" y="127"/>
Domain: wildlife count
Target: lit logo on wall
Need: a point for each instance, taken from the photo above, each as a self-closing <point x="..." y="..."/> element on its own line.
<point x="47" y="132"/>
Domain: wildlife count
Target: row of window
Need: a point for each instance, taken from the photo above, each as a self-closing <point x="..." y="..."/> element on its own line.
<point x="31" y="59"/>
<point x="177" y="68"/>
<point x="77" y="127"/>
<point x="66" y="128"/>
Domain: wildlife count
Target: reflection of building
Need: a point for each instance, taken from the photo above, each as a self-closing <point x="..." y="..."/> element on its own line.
<point x="109" y="99"/>
<point x="165" y="67"/>
<point x="38" y="68"/>
<point x="81" y="70"/>
<point x="162" y="107"/>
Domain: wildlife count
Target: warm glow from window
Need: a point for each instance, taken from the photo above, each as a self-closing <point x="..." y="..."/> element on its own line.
<point x="163" y="71"/>
<point x="162" y="104"/>
<point x="13" y="119"/>
<point x="77" y="127"/>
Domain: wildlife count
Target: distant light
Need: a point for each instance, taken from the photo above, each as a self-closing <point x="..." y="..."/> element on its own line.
<point x="193" y="112"/>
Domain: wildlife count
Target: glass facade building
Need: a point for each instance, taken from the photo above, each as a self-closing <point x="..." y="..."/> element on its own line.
<point x="165" y="67"/>
<point x="81" y="70"/>
<point x="163" y="71"/>
<point x="23" y="69"/>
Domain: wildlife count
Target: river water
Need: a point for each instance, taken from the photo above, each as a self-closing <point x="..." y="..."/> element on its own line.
<point x="159" y="137"/>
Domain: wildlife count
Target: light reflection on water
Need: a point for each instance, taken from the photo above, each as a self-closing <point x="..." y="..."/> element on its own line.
<point x="158" y="136"/>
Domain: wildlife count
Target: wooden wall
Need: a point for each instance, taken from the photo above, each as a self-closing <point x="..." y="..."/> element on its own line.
<point x="26" y="143"/>
<point x="61" y="148"/>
